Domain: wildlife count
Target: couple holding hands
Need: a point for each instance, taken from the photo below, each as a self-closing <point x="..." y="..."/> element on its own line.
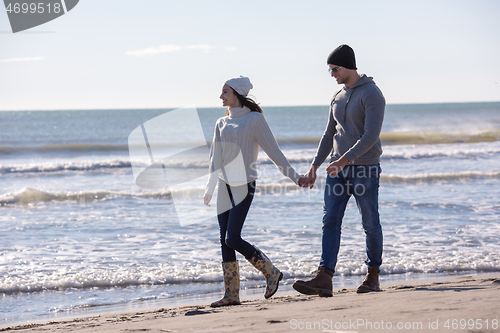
<point x="351" y="136"/>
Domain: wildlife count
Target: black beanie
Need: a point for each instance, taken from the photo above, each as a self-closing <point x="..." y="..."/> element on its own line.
<point x="342" y="56"/>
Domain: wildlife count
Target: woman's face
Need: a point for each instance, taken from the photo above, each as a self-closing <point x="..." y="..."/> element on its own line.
<point x="228" y="97"/>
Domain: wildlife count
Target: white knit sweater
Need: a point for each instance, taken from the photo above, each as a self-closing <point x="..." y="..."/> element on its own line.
<point x="235" y="147"/>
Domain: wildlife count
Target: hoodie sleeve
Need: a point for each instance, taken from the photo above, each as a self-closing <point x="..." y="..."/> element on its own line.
<point x="215" y="161"/>
<point x="267" y="141"/>
<point x="326" y="143"/>
<point x="374" y="104"/>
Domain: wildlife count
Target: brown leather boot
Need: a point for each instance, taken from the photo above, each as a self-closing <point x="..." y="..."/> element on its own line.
<point x="320" y="285"/>
<point x="370" y="283"/>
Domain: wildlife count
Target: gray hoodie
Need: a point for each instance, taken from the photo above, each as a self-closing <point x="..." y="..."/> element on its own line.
<point x="353" y="129"/>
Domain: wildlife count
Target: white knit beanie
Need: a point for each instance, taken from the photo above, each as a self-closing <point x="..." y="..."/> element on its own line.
<point x="240" y="84"/>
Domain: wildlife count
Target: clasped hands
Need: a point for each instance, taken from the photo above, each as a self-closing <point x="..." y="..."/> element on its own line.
<point x="309" y="178"/>
<point x="332" y="169"/>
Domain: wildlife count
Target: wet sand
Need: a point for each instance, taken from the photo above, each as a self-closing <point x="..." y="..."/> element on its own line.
<point x="451" y="304"/>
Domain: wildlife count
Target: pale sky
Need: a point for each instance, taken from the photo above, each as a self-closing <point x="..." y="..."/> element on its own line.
<point x="112" y="54"/>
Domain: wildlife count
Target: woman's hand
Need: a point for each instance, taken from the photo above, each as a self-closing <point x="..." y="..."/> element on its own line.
<point x="309" y="178"/>
<point x="206" y="199"/>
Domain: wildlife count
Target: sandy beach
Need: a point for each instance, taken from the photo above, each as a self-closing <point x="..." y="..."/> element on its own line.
<point x="462" y="304"/>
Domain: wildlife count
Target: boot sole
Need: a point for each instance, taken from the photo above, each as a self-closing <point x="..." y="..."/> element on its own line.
<point x="213" y="305"/>
<point x="277" y="285"/>
<point x="364" y="291"/>
<point x="306" y="290"/>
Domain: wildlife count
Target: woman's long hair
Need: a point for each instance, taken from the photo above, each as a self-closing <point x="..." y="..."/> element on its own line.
<point x="246" y="101"/>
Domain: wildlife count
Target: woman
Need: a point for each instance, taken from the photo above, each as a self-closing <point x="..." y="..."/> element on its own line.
<point x="237" y="139"/>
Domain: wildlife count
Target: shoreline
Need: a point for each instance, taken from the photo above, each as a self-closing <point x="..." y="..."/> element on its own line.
<point x="430" y="302"/>
<point x="249" y="290"/>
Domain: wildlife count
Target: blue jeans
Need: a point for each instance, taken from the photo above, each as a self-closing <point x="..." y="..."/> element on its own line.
<point x="362" y="181"/>
<point x="233" y="203"/>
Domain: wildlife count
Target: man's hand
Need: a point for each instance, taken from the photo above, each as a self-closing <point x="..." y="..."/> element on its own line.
<point x="336" y="166"/>
<point x="206" y="199"/>
<point x="302" y="181"/>
<point x="309" y="178"/>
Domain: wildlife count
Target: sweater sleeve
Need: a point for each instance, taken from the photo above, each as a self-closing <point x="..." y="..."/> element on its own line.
<point x="215" y="161"/>
<point x="374" y="104"/>
<point x="267" y="141"/>
<point x="326" y="143"/>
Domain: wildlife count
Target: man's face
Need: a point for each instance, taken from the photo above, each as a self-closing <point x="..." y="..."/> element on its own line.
<point x="338" y="73"/>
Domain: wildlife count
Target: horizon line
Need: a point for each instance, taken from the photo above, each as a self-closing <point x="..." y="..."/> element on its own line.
<point x="221" y="107"/>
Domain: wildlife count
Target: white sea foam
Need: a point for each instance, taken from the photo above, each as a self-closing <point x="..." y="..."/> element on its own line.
<point x="270" y="183"/>
<point x="295" y="156"/>
<point x="69" y="147"/>
<point x="430" y="176"/>
<point x="396" y="261"/>
<point x="64" y="166"/>
<point x="89" y="165"/>
<point x="460" y="151"/>
<point x="31" y="195"/>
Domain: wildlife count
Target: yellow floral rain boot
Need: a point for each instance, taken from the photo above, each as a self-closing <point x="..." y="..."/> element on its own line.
<point x="231" y="285"/>
<point x="272" y="274"/>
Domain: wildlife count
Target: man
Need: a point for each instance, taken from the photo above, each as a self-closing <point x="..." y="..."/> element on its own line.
<point x="353" y="130"/>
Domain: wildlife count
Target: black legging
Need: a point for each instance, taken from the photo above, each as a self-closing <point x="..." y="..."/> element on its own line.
<point x="233" y="203"/>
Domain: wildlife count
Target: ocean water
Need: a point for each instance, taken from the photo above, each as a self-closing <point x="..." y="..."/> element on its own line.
<point x="78" y="235"/>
